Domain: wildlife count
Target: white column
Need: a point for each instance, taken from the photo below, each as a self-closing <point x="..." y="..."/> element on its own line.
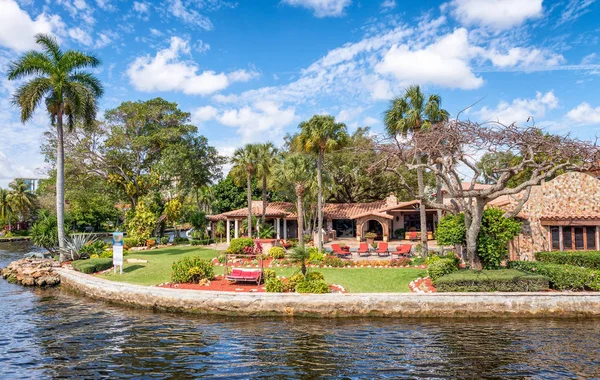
<point x="597" y="238"/>
<point x="285" y="229"/>
<point x="227" y="228"/>
<point x="560" y="239"/>
<point x="237" y="229"/>
<point x="277" y="228"/>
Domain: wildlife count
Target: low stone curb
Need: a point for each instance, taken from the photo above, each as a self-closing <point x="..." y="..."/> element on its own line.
<point x="542" y="304"/>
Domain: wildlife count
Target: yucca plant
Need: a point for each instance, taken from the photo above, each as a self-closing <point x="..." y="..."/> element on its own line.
<point x="74" y="244"/>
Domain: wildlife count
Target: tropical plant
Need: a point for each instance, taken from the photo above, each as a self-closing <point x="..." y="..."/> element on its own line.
<point x="21" y="198"/>
<point x="297" y="170"/>
<point x="300" y="256"/>
<point x="245" y="166"/>
<point x="265" y="161"/>
<point x="141" y="224"/>
<point x="6" y="210"/>
<point x="173" y="213"/>
<point x="74" y="246"/>
<point x="407" y="114"/>
<point x="204" y="197"/>
<point x="44" y="232"/>
<point x="267" y="231"/>
<point x="66" y="90"/>
<point x="220" y="229"/>
<point x="319" y="135"/>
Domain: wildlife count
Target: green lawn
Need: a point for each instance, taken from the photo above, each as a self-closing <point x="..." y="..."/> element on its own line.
<point x="356" y="280"/>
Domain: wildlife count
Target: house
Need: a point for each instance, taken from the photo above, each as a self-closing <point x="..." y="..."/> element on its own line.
<point x="350" y="220"/>
<point x="560" y="215"/>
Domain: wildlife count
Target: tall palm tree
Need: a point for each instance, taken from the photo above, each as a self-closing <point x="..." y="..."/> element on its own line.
<point x="204" y="197"/>
<point x="296" y="169"/>
<point x="6" y="210"/>
<point x="57" y="78"/>
<point x="21" y="198"/>
<point x="407" y="114"/>
<point x="265" y="162"/>
<point x="244" y="162"/>
<point x="319" y="135"/>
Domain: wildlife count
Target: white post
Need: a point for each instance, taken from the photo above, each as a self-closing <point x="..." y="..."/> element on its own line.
<point x="228" y="230"/>
<point x="236" y="229"/>
<point x="560" y="239"/>
<point x="277" y="223"/>
<point x="285" y="229"/>
<point x="597" y="238"/>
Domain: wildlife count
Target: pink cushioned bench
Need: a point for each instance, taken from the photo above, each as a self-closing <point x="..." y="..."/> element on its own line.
<point x="244" y="275"/>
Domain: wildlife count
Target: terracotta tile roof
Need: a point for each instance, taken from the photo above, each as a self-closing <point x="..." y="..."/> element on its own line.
<point x="349" y="210"/>
<point x="274" y="209"/>
<point x="579" y="215"/>
<point x="382" y="211"/>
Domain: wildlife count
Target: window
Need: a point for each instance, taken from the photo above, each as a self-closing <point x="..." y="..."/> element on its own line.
<point x="574" y="238"/>
<point x="567" y="239"/>
<point x="555" y="232"/>
<point x="591" y="238"/>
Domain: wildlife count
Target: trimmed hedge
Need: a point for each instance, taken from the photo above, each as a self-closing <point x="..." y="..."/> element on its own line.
<point x="201" y="241"/>
<point x="441" y="268"/>
<point x="501" y="280"/>
<point x="92" y="265"/>
<point x="237" y="245"/>
<point x="562" y="277"/>
<point x="587" y="259"/>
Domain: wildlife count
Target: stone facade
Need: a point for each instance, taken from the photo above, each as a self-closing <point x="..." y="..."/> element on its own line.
<point x="568" y="196"/>
<point x="467" y="305"/>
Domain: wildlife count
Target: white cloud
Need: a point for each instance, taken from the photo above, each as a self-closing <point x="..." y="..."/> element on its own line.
<point x="166" y="72"/>
<point x="496" y="14"/>
<point x="203" y="114"/>
<point x="264" y="120"/>
<point x="201" y="46"/>
<point x="17" y="28"/>
<point x="141" y="7"/>
<point x="349" y="115"/>
<point x="321" y="8"/>
<point x="584" y="114"/>
<point x="105" y="38"/>
<point x="589" y="59"/>
<point x="519" y="110"/>
<point x="388" y="4"/>
<point x="445" y="63"/>
<point x="189" y="15"/>
<point x="371" y="121"/>
<point x="574" y="10"/>
<point x="155" y="32"/>
<point x="106" y="5"/>
<point x="525" y="58"/>
<point x="80" y="36"/>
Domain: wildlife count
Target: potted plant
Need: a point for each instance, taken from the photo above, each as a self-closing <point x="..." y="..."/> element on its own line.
<point x="370" y="236"/>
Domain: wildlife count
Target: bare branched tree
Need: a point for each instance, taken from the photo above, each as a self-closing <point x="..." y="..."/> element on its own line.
<point x="452" y="149"/>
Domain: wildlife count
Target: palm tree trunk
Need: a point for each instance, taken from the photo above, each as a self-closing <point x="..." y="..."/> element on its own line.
<point x="264" y="198"/>
<point x="423" y="214"/>
<point x="249" y="204"/>
<point x="320" y="202"/>
<point x="300" y="213"/>
<point x="60" y="182"/>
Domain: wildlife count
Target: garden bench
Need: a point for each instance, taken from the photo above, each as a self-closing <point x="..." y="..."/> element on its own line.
<point x="244" y="275"/>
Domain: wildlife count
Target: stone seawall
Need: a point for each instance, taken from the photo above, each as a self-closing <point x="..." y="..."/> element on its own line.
<point x="548" y="304"/>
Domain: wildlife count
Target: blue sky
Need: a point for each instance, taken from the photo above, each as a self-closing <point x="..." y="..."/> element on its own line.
<point x="250" y="71"/>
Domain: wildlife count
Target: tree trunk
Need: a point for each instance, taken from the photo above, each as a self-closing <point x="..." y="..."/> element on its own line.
<point x="264" y="198"/>
<point x="473" y="225"/>
<point x="438" y="192"/>
<point x="422" y="212"/>
<point x="320" y="202"/>
<point x="60" y="182"/>
<point x="249" y="205"/>
<point x="300" y="206"/>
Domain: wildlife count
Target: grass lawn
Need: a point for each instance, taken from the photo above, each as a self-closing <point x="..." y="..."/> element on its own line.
<point x="356" y="280"/>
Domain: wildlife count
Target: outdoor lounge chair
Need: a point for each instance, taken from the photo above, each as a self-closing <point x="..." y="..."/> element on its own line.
<point x="339" y="252"/>
<point x="244" y="275"/>
<point x="403" y="250"/>
<point x="413" y="235"/>
<point x="382" y="249"/>
<point x="363" y="250"/>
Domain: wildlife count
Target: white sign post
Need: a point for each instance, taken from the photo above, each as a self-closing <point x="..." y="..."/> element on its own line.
<point x="118" y="251"/>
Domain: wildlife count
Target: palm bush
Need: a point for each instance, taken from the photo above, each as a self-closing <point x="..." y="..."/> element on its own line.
<point x="300" y="256"/>
<point x="44" y="232"/>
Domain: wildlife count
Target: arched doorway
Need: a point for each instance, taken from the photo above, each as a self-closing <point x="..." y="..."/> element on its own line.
<point x="380" y="226"/>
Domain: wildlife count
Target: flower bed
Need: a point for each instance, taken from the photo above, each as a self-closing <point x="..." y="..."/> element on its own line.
<point x="329" y="262"/>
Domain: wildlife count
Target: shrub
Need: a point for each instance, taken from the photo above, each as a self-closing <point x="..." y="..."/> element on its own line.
<point x="442" y="267"/>
<point x="201" y="242"/>
<point x="311" y="276"/>
<point x="277" y="252"/>
<point x="141" y="224"/>
<point x="92" y="265"/>
<point x="191" y="269"/>
<point x="335" y="262"/>
<point x="294" y="280"/>
<point x="316" y="257"/>
<point x="314" y="286"/>
<point x="274" y="285"/>
<point x="164" y="240"/>
<point x="502" y="280"/>
<point x="451" y="230"/>
<point x="108" y="254"/>
<point x="44" y="232"/>
<point x="130" y="242"/>
<point x="221" y="258"/>
<point x="180" y="240"/>
<point x="587" y="259"/>
<point x="95" y="247"/>
<point x="417" y="260"/>
<point x="562" y="277"/>
<point x="269" y="273"/>
<point x="370" y="235"/>
<point x="401" y="262"/>
<point x="237" y="245"/>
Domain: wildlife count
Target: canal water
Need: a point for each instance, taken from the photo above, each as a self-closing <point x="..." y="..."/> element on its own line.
<point x="53" y="334"/>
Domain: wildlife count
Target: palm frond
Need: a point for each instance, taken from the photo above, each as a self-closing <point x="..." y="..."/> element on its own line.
<point x="89" y="81"/>
<point x="31" y="63"/>
<point x="29" y="95"/>
<point x="74" y="60"/>
<point x="50" y="45"/>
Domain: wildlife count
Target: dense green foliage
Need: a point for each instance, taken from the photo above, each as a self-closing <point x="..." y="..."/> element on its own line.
<point x="201" y="241"/>
<point x="237" y="245"/>
<point x="92" y="265"/>
<point x="587" y="259"/>
<point x="312" y="286"/>
<point x="451" y="230"/>
<point x="502" y="280"/>
<point x="274" y="285"/>
<point x="130" y="242"/>
<point x="229" y="196"/>
<point x="562" y="277"/>
<point x="192" y="269"/>
<point x="96" y="247"/>
<point x="277" y="252"/>
<point x="441" y="268"/>
<point x="141" y="224"/>
<point x="44" y="232"/>
<point x="198" y="220"/>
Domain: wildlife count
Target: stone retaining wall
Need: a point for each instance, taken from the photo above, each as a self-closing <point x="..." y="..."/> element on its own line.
<point x="548" y="304"/>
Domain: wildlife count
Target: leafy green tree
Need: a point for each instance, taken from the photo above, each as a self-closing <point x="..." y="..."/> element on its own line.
<point x="297" y="171"/>
<point x="451" y="230"/>
<point x="173" y="211"/>
<point x="228" y="195"/>
<point x="205" y="196"/>
<point x="67" y="91"/>
<point x="141" y="224"/>
<point x="6" y="209"/>
<point x="245" y="165"/>
<point x="266" y="159"/>
<point x="407" y="114"/>
<point x="319" y="135"/>
<point x="220" y="230"/>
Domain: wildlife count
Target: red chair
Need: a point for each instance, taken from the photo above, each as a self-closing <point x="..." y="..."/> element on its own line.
<point x="382" y="250"/>
<point x="403" y="250"/>
<point x="413" y="235"/>
<point x="339" y="252"/>
<point x="363" y="250"/>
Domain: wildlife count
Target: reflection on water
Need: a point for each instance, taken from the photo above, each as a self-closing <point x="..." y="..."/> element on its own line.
<point x="49" y="333"/>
